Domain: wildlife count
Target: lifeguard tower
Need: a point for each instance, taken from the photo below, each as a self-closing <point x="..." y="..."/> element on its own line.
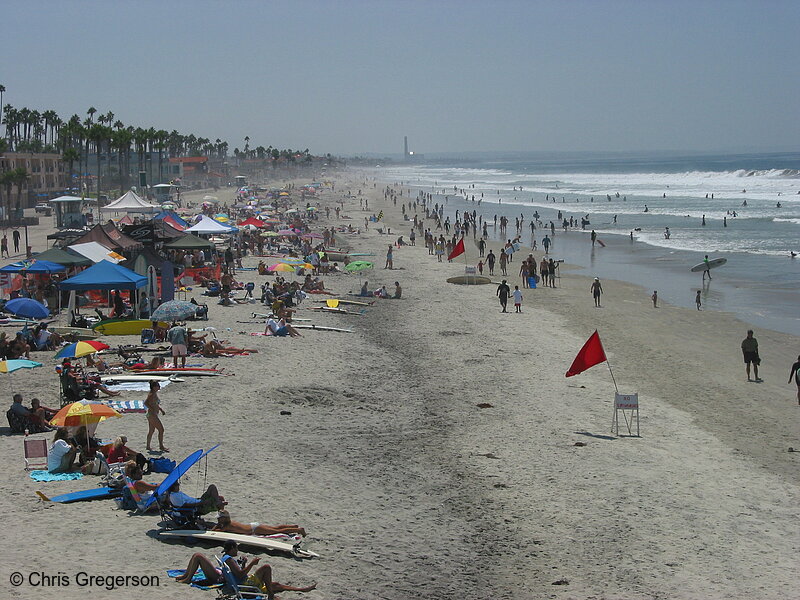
<point x="69" y="211"/>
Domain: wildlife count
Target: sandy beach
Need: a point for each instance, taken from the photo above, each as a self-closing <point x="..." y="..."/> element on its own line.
<point x="374" y="442"/>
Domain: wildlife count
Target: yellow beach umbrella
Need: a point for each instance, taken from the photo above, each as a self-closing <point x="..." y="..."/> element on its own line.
<point x="83" y="412"/>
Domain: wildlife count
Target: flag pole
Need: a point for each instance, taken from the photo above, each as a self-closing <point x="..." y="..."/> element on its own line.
<point x="608" y="364"/>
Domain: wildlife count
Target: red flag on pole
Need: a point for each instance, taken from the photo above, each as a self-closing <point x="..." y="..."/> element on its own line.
<point x="590" y="355"/>
<point x="458" y="250"/>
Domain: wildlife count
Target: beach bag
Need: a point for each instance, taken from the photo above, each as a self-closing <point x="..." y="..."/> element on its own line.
<point x="162" y="465"/>
<point x="148" y="336"/>
<point x="127" y="502"/>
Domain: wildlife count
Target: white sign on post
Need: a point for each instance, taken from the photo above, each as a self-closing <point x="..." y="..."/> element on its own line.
<point x="628" y="405"/>
<point x="469" y="270"/>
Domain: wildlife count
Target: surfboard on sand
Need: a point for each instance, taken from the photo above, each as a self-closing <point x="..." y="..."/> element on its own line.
<point x="169" y="372"/>
<point x="712" y="264"/>
<point x="350" y="302"/>
<point x="322" y="328"/>
<point x="122" y="377"/>
<point x="93" y="494"/>
<point x="255" y="541"/>
<point x="602" y="243"/>
<point x="338" y="311"/>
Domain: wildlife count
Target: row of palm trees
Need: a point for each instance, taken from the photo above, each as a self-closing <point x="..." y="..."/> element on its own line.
<point x="108" y="140"/>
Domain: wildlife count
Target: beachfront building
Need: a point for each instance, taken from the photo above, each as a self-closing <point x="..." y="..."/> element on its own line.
<point x="46" y="172"/>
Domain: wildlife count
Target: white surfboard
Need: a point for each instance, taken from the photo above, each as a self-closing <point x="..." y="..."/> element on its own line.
<point x="256" y="541"/>
<point x="124" y="377"/>
<point x="712" y="264"/>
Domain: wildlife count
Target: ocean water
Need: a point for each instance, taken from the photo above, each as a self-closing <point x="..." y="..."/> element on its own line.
<point x="751" y="204"/>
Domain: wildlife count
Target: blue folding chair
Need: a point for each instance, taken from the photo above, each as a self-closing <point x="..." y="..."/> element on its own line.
<point x="233" y="589"/>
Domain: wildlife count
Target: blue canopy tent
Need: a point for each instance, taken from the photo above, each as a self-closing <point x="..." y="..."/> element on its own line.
<point x="105" y="275"/>
<point x="33" y="266"/>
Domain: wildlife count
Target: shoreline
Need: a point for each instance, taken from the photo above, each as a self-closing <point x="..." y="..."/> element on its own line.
<point x="656" y="267"/>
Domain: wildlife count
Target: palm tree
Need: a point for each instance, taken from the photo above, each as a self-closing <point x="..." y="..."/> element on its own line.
<point x="161" y="144"/>
<point x="91" y="112"/>
<point x="70" y="156"/>
<point x="122" y="142"/>
<point x="19" y="177"/>
<point x="2" y="91"/>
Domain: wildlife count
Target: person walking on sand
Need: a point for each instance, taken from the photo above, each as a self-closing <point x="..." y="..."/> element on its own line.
<point x="502" y="292"/>
<point x="750" y="352"/>
<point x="177" y="337"/>
<point x="517" y="299"/>
<point x="795" y="373"/>
<point x="153" y="406"/>
<point x="4" y="246"/>
<point x="697" y="300"/>
<point x="490" y="258"/>
<point x="503" y="262"/>
<point x="596" y="290"/>
<point x="594" y="237"/>
<point x="15" y="237"/>
<point x="655" y="298"/>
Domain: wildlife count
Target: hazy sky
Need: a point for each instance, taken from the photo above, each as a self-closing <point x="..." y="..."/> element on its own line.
<point x="349" y="77"/>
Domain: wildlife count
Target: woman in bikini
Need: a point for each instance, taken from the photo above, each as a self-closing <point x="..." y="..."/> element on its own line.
<point x="224" y="523"/>
<point x="153" y="405"/>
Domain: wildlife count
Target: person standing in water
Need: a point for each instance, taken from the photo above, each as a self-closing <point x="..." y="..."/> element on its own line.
<point x="707" y="270"/>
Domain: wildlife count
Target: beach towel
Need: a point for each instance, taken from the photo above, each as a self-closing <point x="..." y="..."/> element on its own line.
<point x="48" y="476"/>
<point x="135" y="386"/>
<point x="198" y="579"/>
<point x="126" y="406"/>
<point x="262" y="333"/>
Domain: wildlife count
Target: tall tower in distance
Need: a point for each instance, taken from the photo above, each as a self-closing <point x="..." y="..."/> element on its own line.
<point x="405" y="148"/>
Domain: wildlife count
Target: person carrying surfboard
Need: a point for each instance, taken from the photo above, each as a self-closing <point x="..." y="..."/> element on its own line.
<point x="708" y="268"/>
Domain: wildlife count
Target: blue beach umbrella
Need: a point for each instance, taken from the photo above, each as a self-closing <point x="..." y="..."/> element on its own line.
<point x="33" y="266"/>
<point x="27" y="307"/>
<point x="178" y="472"/>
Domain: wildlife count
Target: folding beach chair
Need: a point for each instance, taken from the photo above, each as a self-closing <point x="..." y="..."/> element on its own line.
<point x="35" y="454"/>
<point x="234" y="590"/>
<point x="177" y="517"/>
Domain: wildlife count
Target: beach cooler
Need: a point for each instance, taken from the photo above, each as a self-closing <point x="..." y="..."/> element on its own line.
<point x="532" y="282"/>
<point x="148" y="336"/>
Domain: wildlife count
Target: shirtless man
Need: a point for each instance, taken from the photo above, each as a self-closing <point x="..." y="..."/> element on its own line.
<point x="596" y="289"/>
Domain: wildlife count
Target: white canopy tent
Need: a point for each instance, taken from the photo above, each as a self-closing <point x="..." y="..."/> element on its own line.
<point x="209" y="226"/>
<point x="131" y="202"/>
<point x="96" y="252"/>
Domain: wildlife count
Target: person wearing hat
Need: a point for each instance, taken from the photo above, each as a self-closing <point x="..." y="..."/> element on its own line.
<point x="262" y="578"/>
<point x="597" y="289"/>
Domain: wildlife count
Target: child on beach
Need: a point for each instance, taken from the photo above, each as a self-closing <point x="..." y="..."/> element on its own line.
<point x="517" y="299"/>
<point x="697" y="300"/>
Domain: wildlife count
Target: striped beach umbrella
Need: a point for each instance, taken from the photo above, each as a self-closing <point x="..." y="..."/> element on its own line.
<point x="83" y="412"/>
<point x="78" y="349"/>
